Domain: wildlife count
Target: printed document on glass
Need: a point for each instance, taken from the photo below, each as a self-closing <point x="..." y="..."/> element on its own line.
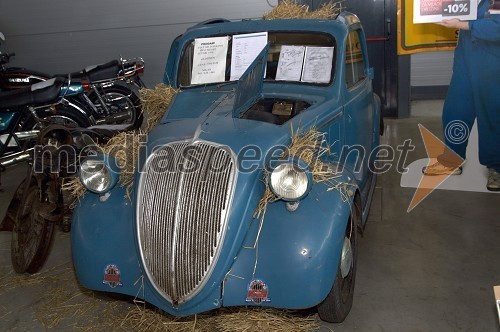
<point x="317" y="65"/>
<point x="245" y="49"/>
<point x="290" y="63"/>
<point x="209" y="60"/>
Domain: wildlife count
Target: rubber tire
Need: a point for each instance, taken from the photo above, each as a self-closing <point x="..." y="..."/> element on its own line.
<point x="42" y="241"/>
<point x="335" y="308"/>
<point x="74" y="115"/>
<point x="126" y="92"/>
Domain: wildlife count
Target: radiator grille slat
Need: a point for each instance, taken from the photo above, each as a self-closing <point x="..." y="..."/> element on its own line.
<point x="183" y="203"/>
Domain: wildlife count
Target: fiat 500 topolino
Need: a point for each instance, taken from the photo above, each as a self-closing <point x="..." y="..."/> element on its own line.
<point x="188" y="239"/>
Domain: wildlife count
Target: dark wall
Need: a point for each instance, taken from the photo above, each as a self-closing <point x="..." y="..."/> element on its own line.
<point x="58" y="36"/>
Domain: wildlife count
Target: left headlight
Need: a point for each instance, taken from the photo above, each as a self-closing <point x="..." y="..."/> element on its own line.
<point x="99" y="174"/>
<point x="290" y="182"/>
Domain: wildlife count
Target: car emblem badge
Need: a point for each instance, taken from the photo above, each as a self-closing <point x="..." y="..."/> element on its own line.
<point x="112" y="276"/>
<point x="257" y="292"/>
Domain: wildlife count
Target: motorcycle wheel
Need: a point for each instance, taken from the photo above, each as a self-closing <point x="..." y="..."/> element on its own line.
<point x="120" y="98"/>
<point x="64" y="115"/>
<point x="31" y="235"/>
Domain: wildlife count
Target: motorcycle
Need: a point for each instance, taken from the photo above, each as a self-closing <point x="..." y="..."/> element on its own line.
<point x="53" y="151"/>
<point x="20" y="122"/>
<point x="40" y="203"/>
<point x="112" y="97"/>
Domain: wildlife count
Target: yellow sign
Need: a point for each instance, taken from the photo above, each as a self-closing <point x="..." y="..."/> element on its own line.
<point x="414" y="38"/>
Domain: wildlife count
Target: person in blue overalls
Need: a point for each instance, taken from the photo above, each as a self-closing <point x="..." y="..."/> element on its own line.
<point x="474" y="93"/>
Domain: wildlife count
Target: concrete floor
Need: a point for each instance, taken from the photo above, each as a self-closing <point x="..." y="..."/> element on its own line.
<point x="432" y="269"/>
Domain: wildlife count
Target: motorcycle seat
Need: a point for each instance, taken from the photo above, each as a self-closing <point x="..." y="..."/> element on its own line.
<point x="37" y="94"/>
<point x="94" y="73"/>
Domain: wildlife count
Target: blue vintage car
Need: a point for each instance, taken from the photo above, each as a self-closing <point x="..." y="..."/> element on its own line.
<point x="189" y="240"/>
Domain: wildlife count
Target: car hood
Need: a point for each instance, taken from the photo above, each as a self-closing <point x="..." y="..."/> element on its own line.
<point x="208" y="116"/>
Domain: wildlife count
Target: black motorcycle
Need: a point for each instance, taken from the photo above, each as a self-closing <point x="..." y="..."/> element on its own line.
<point x="20" y="122"/>
<point x="52" y="151"/>
<point x="18" y="145"/>
<point x="113" y="89"/>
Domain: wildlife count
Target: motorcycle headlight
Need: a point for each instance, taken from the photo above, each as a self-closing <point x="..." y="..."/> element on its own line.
<point x="290" y="181"/>
<point x="99" y="174"/>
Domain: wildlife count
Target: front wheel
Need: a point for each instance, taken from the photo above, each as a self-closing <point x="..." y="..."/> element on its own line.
<point x="338" y="303"/>
<point x="31" y="234"/>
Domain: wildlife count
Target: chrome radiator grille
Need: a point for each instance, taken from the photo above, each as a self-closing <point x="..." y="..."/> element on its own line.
<point x="184" y="195"/>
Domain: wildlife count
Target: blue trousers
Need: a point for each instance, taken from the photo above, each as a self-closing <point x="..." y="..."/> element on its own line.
<point x="474" y="94"/>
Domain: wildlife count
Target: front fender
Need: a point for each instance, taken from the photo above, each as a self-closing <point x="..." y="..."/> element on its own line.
<point x="297" y="253"/>
<point x="102" y="234"/>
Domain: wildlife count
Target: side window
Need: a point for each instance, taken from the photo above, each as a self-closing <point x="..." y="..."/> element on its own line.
<point x="354" y="64"/>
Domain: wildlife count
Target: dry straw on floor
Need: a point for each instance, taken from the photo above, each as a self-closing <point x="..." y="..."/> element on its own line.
<point x="64" y="305"/>
<point x="242" y="319"/>
<point x="290" y="9"/>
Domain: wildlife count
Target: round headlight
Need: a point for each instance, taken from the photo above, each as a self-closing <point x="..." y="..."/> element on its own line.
<point x="289" y="182"/>
<point x="95" y="175"/>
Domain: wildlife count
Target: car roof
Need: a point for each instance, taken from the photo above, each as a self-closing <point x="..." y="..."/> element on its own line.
<point x="219" y="26"/>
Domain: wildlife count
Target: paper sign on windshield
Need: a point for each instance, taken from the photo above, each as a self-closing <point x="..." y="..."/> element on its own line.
<point x="290" y="63"/>
<point x="432" y="11"/>
<point x="246" y="47"/>
<point x="317" y="65"/>
<point x="209" y="60"/>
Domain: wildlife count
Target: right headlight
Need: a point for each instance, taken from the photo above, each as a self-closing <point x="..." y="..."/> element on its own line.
<point x="290" y="182"/>
<point x="99" y="174"/>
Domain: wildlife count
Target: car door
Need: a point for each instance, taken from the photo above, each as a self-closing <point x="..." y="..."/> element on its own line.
<point x="357" y="107"/>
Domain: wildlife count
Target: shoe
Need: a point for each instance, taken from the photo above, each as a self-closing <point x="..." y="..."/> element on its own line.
<point x="440" y="169"/>
<point x="493" y="180"/>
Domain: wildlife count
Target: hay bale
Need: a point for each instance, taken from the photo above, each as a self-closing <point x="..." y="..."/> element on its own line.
<point x="311" y="147"/>
<point x="124" y="147"/>
<point x="287" y="9"/>
<point x="155" y="103"/>
<point x="74" y="187"/>
<point x="290" y="9"/>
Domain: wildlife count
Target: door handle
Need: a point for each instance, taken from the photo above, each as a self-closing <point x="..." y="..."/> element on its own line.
<point x="388" y="33"/>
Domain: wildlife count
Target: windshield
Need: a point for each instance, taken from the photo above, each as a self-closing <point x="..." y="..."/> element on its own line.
<point x="306" y="57"/>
